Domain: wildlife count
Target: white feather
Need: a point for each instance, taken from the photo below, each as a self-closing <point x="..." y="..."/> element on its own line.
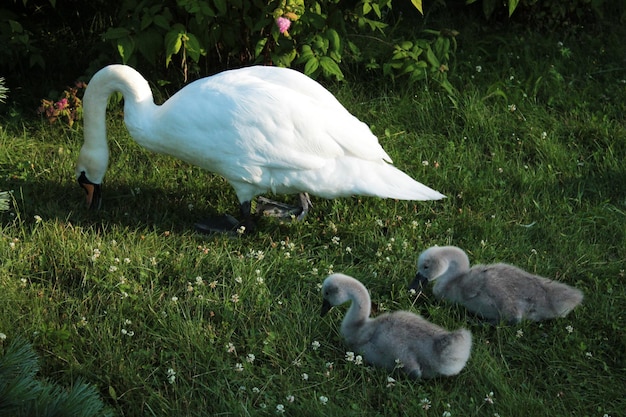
<point x="261" y="128"/>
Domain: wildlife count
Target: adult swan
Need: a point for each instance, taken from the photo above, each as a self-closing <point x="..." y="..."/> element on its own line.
<point x="261" y="128"/>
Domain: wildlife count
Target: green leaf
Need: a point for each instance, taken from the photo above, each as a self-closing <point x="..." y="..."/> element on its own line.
<point x="173" y="43"/>
<point x="162" y="22"/>
<point x="311" y="65"/>
<point x="260" y="45"/>
<point x="330" y="67"/>
<point x="512" y="6"/>
<point x="418" y="5"/>
<point x="116" y="33"/>
<point x="193" y="48"/>
<point x="146" y="21"/>
<point x="432" y="58"/>
<point x="221" y="6"/>
<point x="125" y="47"/>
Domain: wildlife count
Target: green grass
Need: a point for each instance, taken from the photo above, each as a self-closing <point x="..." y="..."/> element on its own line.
<point x="113" y="297"/>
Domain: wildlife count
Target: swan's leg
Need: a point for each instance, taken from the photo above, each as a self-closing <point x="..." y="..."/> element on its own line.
<point x="305" y="202"/>
<point x="272" y="208"/>
<point x="228" y="224"/>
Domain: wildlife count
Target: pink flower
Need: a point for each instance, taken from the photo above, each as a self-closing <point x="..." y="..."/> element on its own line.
<point x="283" y="24"/>
<point x="61" y="104"/>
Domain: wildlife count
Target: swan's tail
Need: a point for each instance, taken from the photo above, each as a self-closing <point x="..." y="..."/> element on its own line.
<point x="454" y="351"/>
<point x="563" y="297"/>
<point x="384" y="180"/>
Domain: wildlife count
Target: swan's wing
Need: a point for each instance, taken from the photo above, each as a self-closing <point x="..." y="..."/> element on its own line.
<point x="294" y="121"/>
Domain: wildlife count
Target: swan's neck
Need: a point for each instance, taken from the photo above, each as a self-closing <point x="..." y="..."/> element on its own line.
<point x="358" y="313"/>
<point x="138" y="98"/>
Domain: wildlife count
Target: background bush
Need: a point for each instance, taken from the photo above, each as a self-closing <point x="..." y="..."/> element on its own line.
<point x="46" y="45"/>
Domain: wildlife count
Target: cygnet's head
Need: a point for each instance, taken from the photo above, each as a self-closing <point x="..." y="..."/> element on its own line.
<point x="430" y="265"/>
<point x="336" y="290"/>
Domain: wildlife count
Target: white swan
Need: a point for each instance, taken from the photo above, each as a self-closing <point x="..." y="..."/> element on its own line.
<point x="423" y="349"/>
<point x="261" y="128"/>
<point x="496" y="292"/>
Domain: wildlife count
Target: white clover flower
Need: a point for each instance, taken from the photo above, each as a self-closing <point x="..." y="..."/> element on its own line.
<point x="112" y="268"/>
<point x="256" y="390"/>
<point x="234" y="298"/>
<point x="238" y="280"/>
<point x="479" y="68"/>
<point x="260" y="280"/>
<point x="230" y="348"/>
<point x="239" y="367"/>
<point x="128" y="333"/>
<point x="315" y="345"/>
<point x="425" y="403"/>
<point x="336" y="240"/>
<point x="290" y="398"/>
<point x="280" y="409"/>
<point x="3" y="337"/>
<point x="569" y="328"/>
<point x="519" y="333"/>
<point x="390" y="382"/>
<point x="350" y="356"/>
<point x="250" y="357"/>
<point x="174" y="299"/>
<point x="489" y="398"/>
<point x="305" y="376"/>
<point x="199" y="280"/>
<point x="425" y="163"/>
<point x="446" y="414"/>
<point x="38" y="219"/>
<point x="358" y="360"/>
<point x="171" y="375"/>
<point x="323" y="399"/>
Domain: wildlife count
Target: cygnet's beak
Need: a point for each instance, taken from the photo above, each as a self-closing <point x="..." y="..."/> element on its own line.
<point x="325" y="307"/>
<point x="419" y="282"/>
<point x="94" y="193"/>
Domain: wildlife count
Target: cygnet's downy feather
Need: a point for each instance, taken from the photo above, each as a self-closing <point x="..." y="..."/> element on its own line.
<point x="497" y="292"/>
<point x="395" y="340"/>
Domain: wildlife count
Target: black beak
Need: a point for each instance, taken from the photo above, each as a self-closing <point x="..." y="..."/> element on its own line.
<point x="94" y="191"/>
<point x="325" y="307"/>
<point x="418" y="283"/>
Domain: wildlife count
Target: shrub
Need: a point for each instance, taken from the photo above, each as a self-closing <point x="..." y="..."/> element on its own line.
<point x="21" y="394"/>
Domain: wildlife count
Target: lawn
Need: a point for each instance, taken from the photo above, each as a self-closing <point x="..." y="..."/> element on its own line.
<point x="163" y="321"/>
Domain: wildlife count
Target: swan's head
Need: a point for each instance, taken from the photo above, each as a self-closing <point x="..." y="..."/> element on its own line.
<point x="338" y="289"/>
<point x="93" y="191"/>
<point x="89" y="173"/>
